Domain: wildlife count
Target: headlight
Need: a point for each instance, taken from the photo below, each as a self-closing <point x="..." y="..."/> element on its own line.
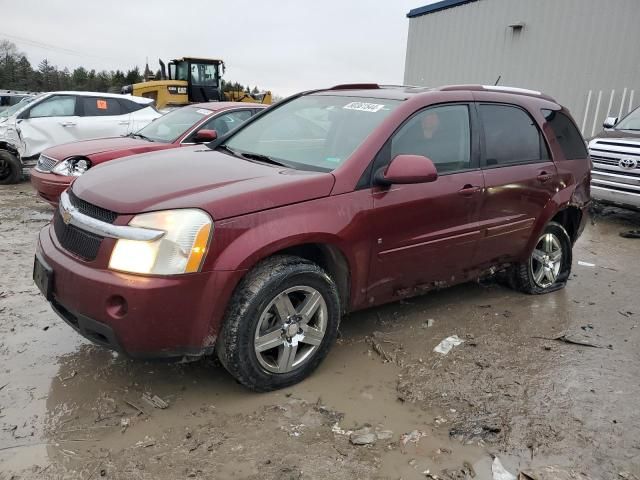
<point x="181" y="250"/>
<point x="72" y="167"/>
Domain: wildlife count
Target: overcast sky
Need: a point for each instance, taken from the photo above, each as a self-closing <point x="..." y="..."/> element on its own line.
<point x="285" y="45"/>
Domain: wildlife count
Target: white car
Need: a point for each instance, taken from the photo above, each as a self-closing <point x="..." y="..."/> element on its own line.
<point x="53" y="118"/>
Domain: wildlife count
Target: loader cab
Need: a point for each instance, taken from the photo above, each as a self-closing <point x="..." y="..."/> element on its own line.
<point x="203" y="77"/>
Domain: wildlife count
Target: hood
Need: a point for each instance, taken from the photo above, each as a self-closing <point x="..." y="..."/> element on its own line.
<point x="111" y="147"/>
<point x="619" y="134"/>
<point x="197" y="177"/>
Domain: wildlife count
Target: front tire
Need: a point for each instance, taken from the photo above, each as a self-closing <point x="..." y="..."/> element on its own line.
<point x="10" y="168"/>
<point x="549" y="265"/>
<point x="280" y="324"/>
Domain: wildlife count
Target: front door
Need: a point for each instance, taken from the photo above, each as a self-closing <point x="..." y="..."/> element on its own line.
<point x="425" y="235"/>
<point x="51" y="122"/>
<point x="520" y="179"/>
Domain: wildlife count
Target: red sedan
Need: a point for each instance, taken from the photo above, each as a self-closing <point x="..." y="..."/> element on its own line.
<point x="59" y="166"/>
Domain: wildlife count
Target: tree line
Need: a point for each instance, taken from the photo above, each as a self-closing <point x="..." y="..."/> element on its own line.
<point x="17" y="73"/>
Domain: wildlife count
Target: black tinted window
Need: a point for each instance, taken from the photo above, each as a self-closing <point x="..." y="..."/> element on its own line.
<point x="567" y="134"/>
<point x="98" y="107"/>
<point x="440" y="133"/>
<point x="511" y="136"/>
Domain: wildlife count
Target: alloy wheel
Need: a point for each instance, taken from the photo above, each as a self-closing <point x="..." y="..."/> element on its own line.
<point x="546" y="260"/>
<point x="290" y="329"/>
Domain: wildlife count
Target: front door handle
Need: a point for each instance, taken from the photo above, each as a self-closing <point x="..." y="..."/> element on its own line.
<point x="68" y="124"/>
<point x="469" y="190"/>
<point x="544" y="177"/>
<point x="123" y="122"/>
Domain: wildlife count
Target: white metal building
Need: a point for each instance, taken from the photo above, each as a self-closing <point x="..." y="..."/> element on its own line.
<point x="585" y="53"/>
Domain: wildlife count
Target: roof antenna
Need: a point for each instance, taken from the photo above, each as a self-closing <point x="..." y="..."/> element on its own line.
<point x="497" y="81"/>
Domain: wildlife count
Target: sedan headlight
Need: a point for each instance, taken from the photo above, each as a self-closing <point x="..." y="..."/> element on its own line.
<point x="181" y="250"/>
<point x="72" y="167"/>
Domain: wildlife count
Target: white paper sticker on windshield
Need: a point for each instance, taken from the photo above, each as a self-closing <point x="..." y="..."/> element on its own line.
<point x="364" y="107"/>
<point x="202" y="111"/>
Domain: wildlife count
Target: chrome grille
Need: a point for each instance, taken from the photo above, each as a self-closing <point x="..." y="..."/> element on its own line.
<point x="45" y="164"/>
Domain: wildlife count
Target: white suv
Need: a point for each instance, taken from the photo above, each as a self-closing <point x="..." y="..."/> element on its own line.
<point x="53" y="118"/>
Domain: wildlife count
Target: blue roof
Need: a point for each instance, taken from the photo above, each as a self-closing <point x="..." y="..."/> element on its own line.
<point x="436" y="7"/>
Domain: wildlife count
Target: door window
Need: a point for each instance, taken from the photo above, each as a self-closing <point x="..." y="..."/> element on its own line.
<point x="442" y="134"/>
<point x="511" y="136"/>
<point x="100" y="107"/>
<point x="225" y="123"/>
<point x="56" y="106"/>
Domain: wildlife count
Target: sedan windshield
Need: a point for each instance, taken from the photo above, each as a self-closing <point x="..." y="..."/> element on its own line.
<point x="630" y="122"/>
<point x="173" y="125"/>
<point x="313" y="132"/>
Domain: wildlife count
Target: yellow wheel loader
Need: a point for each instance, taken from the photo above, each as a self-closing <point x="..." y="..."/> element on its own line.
<point x="191" y="80"/>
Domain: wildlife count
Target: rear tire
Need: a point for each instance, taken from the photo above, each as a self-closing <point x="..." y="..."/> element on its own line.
<point x="280" y="324"/>
<point x="549" y="265"/>
<point x="10" y="168"/>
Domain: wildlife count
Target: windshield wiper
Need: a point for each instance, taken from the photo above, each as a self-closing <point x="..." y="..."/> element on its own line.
<point x="228" y="150"/>
<point x="139" y="135"/>
<point x="263" y="158"/>
<point x="630" y="129"/>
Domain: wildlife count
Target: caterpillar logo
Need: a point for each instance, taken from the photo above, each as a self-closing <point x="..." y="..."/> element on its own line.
<point x="177" y="90"/>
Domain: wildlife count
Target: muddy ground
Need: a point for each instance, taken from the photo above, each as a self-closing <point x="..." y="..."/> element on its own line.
<point x="70" y="410"/>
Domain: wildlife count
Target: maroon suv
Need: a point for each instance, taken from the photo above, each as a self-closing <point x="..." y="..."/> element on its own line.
<point x="331" y="201"/>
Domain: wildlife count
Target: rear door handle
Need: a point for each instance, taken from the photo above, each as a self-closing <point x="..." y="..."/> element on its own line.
<point x="68" y="124"/>
<point x="544" y="177"/>
<point x="123" y="122"/>
<point x="469" y="190"/>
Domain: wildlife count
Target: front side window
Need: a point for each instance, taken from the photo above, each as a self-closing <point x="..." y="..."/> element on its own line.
<point x="442" y="134"/>
<point x="223" y="124"/>
<point x="630" y="122"/>
<point x="56" y="106"/>
<point x="174" y="124"/>
<point x="567" y="134"/>
<point x="313" y="132"/>
<point x="100" y="107"/>
<point x="511" y="136"/>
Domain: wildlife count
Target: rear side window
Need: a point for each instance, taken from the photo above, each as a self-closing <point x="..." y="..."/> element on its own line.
<point x="567" y="134"/>
<point x="100" y="107"/>
<point x="511" y="136"/>
<point x="129" y="106"/>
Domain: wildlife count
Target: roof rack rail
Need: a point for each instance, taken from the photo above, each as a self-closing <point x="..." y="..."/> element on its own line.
<point x="393" y="85"/>
<point x="356" y="86"/>
<point x="498" y="89"/>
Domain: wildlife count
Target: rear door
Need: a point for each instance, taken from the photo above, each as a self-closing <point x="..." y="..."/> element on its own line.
<point x="101" y="117"/>
<point x="48" y="123"/>
<point x="425" y="235"/>
<point x="520" y="179"/>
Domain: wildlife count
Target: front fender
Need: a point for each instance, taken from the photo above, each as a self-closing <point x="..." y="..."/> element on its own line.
<point x="241" y="242"/>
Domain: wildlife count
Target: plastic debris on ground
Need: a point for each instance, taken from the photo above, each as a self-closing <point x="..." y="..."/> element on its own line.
<point x="447" y="344"/>
<point x="499" y="472"/>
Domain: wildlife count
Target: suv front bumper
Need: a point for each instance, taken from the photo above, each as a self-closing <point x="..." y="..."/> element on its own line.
<point x="140" y="316"/>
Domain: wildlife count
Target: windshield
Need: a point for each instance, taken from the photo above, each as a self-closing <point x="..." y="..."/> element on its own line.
<point x="173" y="125"/>
<point x="630" y="122"/>
<point x="314" y="132"/>
<point x="18" y="106"/>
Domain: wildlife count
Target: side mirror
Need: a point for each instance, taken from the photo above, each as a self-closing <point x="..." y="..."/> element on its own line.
<point x="205" y="136"/>
<point x="610" y="122"/>
<point x="405" y="169"/>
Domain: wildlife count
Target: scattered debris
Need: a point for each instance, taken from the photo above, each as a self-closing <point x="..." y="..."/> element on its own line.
<point x="124" y="424"/>
<point x="630" y="234"/>
<point x="429" y="323"/>
<point x="447" y="344"/>
<point x="413" y="436"/>
<point x="376" y="340"/>
<point x="586" y="264"/>
<point x="552" y="473"/>
<point x="499" y="472"/>
<point x="147" y="442"/>
<point x="68" y="377"/>
<point x="154" y="401"/>
<point x="363" y="436"/>
<point x="384" y="434"/>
